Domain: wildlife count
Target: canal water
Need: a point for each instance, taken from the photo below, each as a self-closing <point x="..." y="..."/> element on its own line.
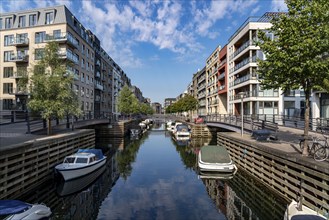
<point x="155" y="178"/>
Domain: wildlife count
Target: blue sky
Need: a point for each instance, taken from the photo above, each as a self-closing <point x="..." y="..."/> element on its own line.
<point x="160" y="44"/>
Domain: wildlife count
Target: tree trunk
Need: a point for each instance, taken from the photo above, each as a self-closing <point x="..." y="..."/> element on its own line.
<point x="48" y="126"/>
<point x="307" y="122"/>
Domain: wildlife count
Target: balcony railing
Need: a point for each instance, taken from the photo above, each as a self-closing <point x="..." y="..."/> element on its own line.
<point x="19" y="74"/>
<point x="19" y="58"/>
<point x="62" y="37"/>
<point x="20" y="41"/>
<point x="221" y="76"/>
<point x="245" y="62"/>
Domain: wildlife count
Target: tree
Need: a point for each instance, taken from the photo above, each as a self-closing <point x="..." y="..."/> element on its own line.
<point x="297" y="57"/>
<point x="187" y="103"/>
<point x="51" y="92"/>
<point x="127" y="101"/>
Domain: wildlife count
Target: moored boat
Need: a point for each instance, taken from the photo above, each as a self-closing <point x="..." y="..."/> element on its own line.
<point x="81" y="163"/>
<point x="215" y="159"/>
<point x="181" y="132"/>
<point x="293" y="212"/>
<point x="19" y="210"/>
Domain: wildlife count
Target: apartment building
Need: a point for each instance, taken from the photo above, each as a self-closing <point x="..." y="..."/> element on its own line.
<point x="212" y="64"/>
<point x="222" y="81"/>
<point x="244" y="85"/>
<point x="24" y="34"/>
<point x="201" y="90"/>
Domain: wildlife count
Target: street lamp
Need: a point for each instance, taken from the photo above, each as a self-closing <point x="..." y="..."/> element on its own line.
<point x="241" y="94"/>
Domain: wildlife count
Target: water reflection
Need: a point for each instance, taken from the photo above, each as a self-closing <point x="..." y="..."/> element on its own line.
<point x="155" y="178"/>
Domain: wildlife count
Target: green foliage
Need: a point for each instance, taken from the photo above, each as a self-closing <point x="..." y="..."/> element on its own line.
<point x="187" y="103"/>
<point x="51" y="92"/>
<point x="298" y="55"/>
<point x="129" y="104"/>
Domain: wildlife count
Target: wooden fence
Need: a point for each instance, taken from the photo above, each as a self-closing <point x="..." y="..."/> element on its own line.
<point x="280" y="171"/>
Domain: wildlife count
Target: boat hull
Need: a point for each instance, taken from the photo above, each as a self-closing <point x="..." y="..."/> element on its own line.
<point x="306" y="213"/>
<point x="70" y="172"/>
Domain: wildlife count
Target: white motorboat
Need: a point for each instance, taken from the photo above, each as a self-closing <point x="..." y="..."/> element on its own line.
<point x="18" y="210"/>
<point x="74" y="186"/>
<point x="215" y="159"/>
<point x="81" y="163"/>
<point x="305" y="213"/>
<point x="182" y="132"/>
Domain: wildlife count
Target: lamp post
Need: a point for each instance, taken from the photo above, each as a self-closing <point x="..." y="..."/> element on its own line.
<point x="241" y="94"/>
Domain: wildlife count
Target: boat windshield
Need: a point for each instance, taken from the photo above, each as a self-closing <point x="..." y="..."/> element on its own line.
<point x="82" y="160"/>
<point x="69" y="160"/>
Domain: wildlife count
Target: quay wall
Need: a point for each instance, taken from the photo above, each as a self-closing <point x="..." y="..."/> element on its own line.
<point x="24" y="165"/>
<point x="201" y="130"/>
<point x="280" y="171"/>
<point x="118" y="129"/>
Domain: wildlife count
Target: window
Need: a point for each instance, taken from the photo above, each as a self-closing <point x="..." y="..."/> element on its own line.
<point x="8" y="23"/>
<point x="57" y="34"/>
<point x="32" y="20"/>
<point x="9" y="39"/>
<point x="82" y="63"/>
<point x="81" y="160"/>
<point x="22" y="21"/>
<point x="0" y="23"/>
<point x="49" y="17"/>
<point x="21" y="38"/>
<point x="8" y="72"/>
<point x="40" y="37"/>
<point x="7" y="104"/>
<point x="39" y="54"/>
<point x="7" y="56"/>
<point x="7" y="88"/>
<point x="82" y="48"/>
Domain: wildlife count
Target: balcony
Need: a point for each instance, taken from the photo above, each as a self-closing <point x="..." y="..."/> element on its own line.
<point x="99" y="86"/>
<point x="221" y="76"/>
<point x="19" y="74"/>
<point x="20" y="58"/>
<point x="245" y="62"/>
<point x="68" y="55"/>
<point x="20" y="91"/>
<point x="20" y="41"/>
<point x="62" y="38"/>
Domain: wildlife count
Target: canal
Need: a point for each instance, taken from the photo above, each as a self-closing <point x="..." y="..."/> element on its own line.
<point x="155" y="178"/>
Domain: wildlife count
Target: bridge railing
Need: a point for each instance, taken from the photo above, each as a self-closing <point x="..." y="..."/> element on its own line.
<point x="250" y="121"/>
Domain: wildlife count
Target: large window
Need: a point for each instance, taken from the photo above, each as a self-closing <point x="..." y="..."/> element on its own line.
<point x="40" y="37"/>
<point x="32" y="20"/>
<point x="49" y="17"/>
<point x="9" y="39"/>
<point x="8" y="72"/>
<point x="0" y="23"/>
<point x="8" y="23"/>
<point x="39" y="54"/>
<point x="22" y="21"/>
<point x="7" y="56"/>
<point x="7" y="88"/>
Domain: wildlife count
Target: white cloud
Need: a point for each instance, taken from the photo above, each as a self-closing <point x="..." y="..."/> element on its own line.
<point x="278" y="5"/>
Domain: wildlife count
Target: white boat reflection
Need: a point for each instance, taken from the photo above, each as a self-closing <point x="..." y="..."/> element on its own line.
<point x="66" y="188"/>
<point x="214" y="175"/>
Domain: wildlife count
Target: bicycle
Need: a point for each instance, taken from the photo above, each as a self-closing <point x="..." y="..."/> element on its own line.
<point x="313" y="144"/>
<point x="322" y="153"/>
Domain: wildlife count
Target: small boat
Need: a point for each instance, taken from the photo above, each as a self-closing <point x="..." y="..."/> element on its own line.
<point x="215" y="159"/>
<point x="305" y="213"/>
<point x="181" y="132"/>
<point x="81" y="163"/>
<point x="15" y="209"/>
<point x="65" y="188"/>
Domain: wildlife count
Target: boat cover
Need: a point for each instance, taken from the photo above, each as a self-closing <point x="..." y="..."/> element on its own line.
<point x="215" y="154"/>
<point x="9" y="207"/>
<point x="97" y="152"/>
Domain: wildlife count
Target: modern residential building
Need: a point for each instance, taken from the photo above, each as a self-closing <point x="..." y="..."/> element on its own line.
<point x="157" y="108"/>
<point x="212" y="64"/>
<point x="24" y="34"/>
<point x="200" y="77"/>
<point x="222" y="81"/>
<point x="244" y="85"/>
<point x="168" y="101"/>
